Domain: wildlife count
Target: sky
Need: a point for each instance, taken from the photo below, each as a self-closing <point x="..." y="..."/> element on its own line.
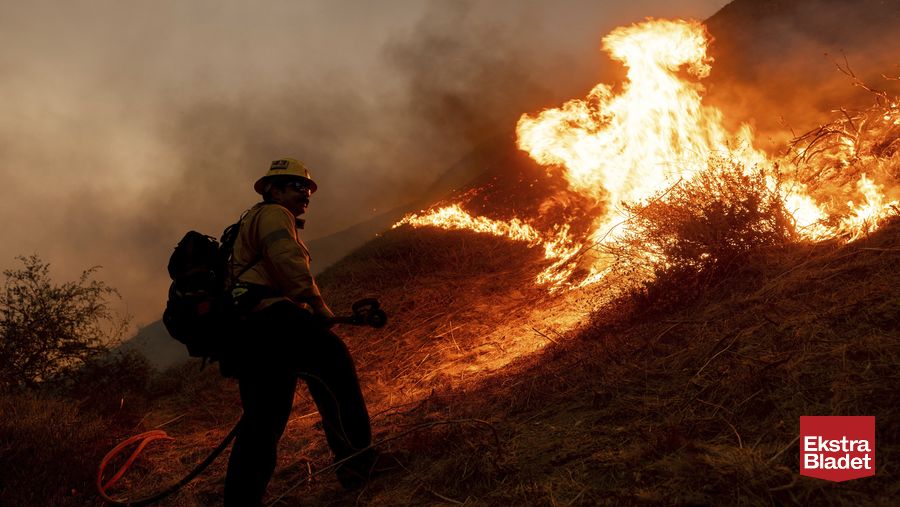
<point x="123" y="124"/>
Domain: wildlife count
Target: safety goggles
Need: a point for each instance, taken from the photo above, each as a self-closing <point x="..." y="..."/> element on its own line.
<point x="298" y="185"/>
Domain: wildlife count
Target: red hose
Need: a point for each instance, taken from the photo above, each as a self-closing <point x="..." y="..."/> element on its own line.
<point x="144" y="438"/>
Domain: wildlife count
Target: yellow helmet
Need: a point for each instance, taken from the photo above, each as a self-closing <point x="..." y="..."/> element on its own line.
<point x="285" y="167"/>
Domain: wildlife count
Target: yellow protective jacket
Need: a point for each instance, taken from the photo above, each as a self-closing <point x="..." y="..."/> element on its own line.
<point x="269" y="243"/>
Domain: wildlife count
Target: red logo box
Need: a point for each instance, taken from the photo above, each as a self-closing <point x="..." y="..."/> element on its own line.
<point x="837" y="448"/>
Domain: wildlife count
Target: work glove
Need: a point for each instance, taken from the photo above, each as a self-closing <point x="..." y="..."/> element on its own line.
<point x="321" y="312"/>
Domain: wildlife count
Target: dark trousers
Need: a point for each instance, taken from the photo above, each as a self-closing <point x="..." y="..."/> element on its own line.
<point x="280" y="344"/>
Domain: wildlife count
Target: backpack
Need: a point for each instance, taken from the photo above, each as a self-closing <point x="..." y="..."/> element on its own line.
<point x="199" y="310"/>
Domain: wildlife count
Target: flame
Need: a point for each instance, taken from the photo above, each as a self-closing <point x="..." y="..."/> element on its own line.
<point x="864" y="218"/>
<point x="626" y="147"/>
<point x="629" y="146"/>
<point x="453" y="217"/>
<point x="808" y="216"/>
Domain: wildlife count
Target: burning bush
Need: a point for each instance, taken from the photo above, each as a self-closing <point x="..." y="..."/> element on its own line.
<point x="854" y="135"/>
<point x="855" y="156"/>
<point x="696" y="231"/>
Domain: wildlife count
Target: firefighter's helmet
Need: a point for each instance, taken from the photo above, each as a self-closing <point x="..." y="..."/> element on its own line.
<point x="285" y="167"/>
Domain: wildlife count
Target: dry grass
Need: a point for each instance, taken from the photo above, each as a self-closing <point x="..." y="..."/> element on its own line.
<point x="49" y="450"/>
<point x="697" y="406"/>
<point x="694" y="403"/>
<point x="450" y="325"/>
<point x="447" y="295"/>
<point x="198" y="408"/>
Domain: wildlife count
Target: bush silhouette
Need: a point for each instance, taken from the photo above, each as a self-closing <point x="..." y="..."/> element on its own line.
<point x="47" y="331"/>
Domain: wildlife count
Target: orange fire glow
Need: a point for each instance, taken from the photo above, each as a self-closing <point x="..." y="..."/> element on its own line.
<point x="864" y="218"/>
<point x="453" y="217"/>
<point x="628" y="146"/>
<point x="625" y="147"/>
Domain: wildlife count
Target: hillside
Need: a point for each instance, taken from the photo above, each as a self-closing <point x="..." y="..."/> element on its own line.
<point x="697" y="404"/>
<point x="775" y="61"/>
<point x="684" y="388"/>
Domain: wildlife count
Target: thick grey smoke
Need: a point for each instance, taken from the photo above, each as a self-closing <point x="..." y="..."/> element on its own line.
<point x="124" y="124"/>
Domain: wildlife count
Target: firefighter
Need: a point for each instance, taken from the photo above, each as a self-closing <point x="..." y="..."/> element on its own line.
<point x="285" y="335"/>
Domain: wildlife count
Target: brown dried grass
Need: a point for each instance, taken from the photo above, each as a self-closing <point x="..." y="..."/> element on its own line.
<point x="49" y="450"/>
<point x="701" y="405"/>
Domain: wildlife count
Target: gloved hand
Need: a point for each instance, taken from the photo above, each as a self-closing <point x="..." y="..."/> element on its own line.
<point x="321" y="311"/>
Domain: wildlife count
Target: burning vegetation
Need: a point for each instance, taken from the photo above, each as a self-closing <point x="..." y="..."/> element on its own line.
<point x="740" y="290"/>
<point x="652" y="162"/>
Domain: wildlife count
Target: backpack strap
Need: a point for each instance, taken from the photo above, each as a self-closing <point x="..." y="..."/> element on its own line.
<point x="229" y="236"/>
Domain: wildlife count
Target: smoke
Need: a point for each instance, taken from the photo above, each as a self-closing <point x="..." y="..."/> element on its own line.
<point x="463" y="90"/>
<point x="123" y="125"/>
<point x="776" y="63"/>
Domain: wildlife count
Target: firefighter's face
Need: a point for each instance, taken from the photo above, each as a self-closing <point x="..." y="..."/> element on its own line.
<point x="293" y="195"/>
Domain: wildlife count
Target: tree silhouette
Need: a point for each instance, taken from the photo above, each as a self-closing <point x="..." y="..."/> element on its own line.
<point x="46" y="330"/>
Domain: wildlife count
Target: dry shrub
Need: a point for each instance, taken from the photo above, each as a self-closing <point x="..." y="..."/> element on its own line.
<point x="873" y="132"/>
<point x="831" y="158"/>
<point x="48" y="330"/>
<point x="697" y="232"/>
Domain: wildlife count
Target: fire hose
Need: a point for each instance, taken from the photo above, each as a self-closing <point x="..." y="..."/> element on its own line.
<point x="365" y="312"/>
<point x="144" y="439"/>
